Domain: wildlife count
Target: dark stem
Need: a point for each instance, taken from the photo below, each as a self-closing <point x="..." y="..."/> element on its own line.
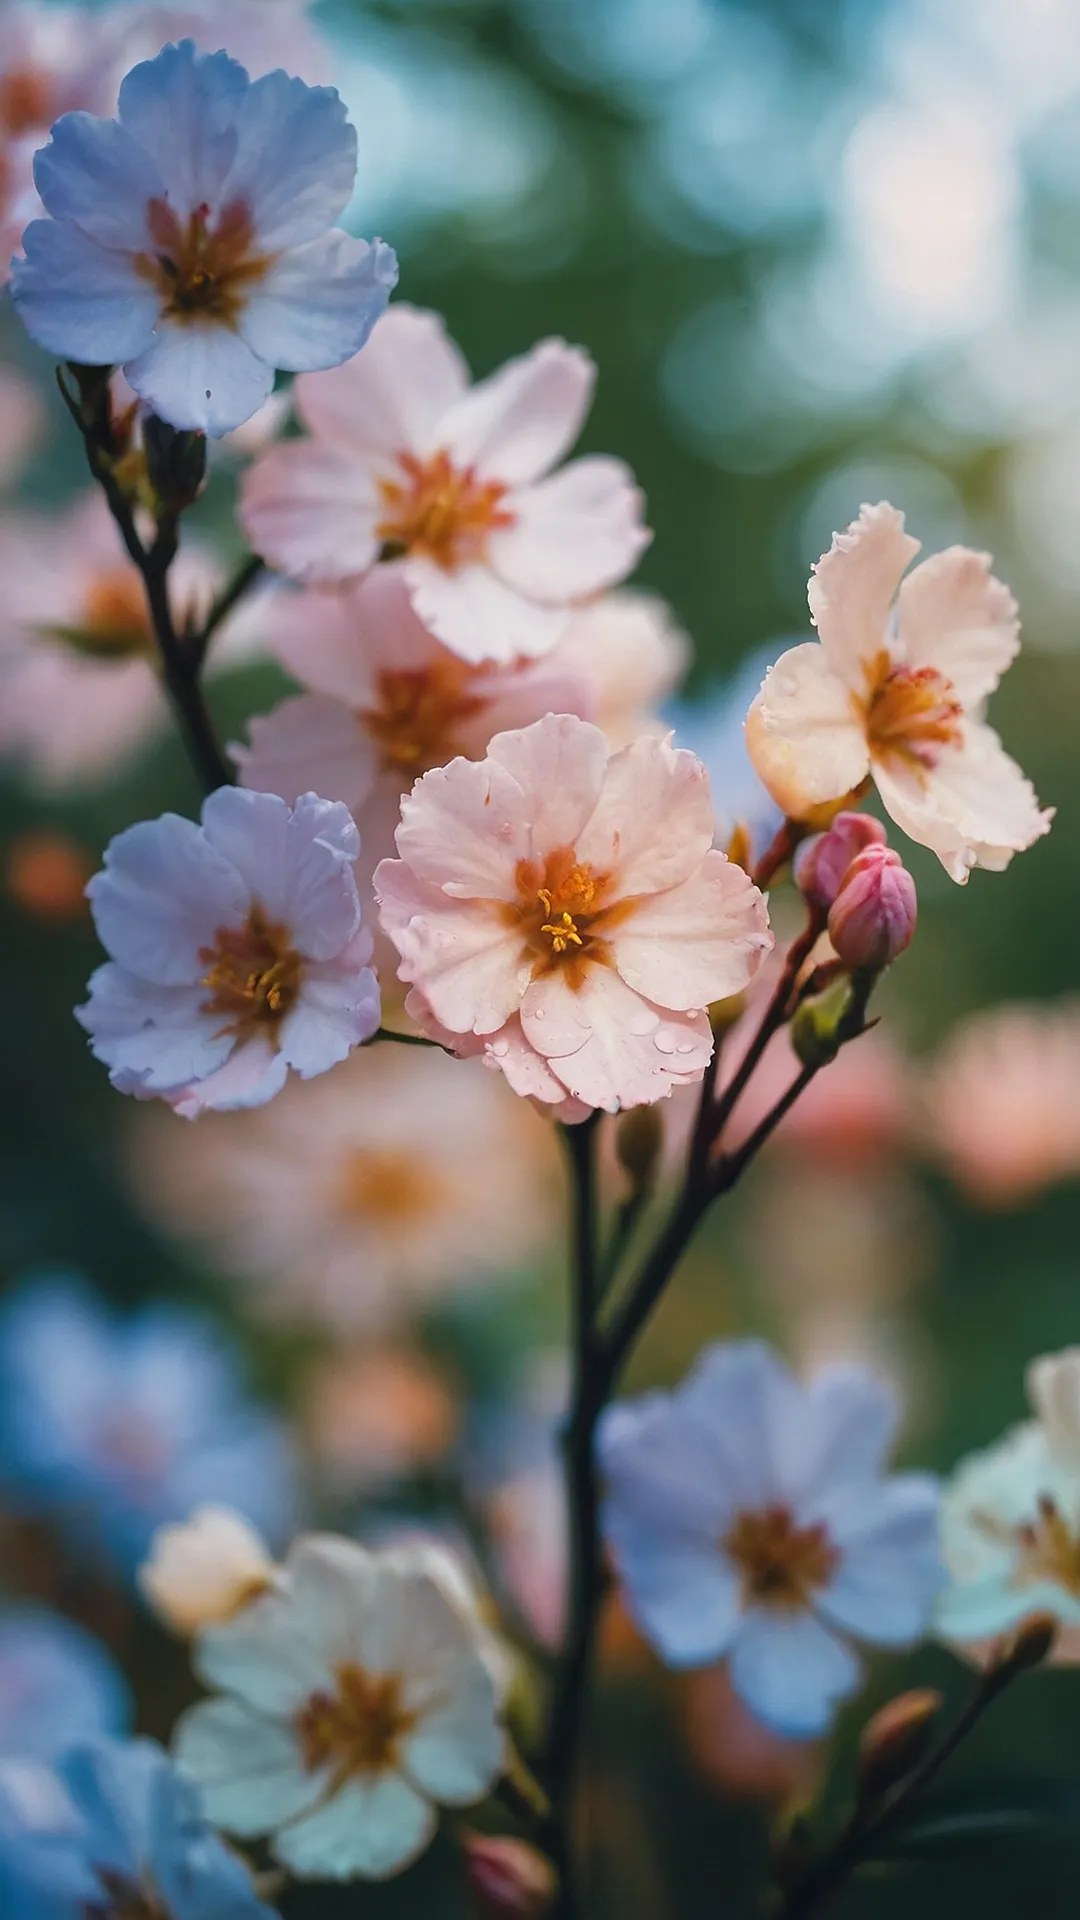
<point x="230" y="596"/>
<point x="774" y="1017"/>
<point x="403" y="1039"/>
<point x="779" y="851"/>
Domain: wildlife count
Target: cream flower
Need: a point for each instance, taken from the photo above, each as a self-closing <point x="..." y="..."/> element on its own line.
<point x="403" y="458"/>
<point x="202" y="1571"/>
<point x="353" y="1199"/>
<point x="900" y="697"/>
<point x="356" y="1700"/>
<point x="565" y="904"/>
<point x="1002" y="1101"/>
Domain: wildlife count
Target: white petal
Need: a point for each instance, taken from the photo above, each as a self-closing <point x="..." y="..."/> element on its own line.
<point x="574" y="534"/>
<point x="79" y="301"/>
<point x="458" y="1749"/>
<point x="697" y="942"/>
<point x="852" y="588"/>
<point x="94" y="173"/>
<point x="182" y="109"/>
<point x="515" y="425"/>
<point x="954" y="615"/>
<point x="296" y="861"/>
<point x="803" y="734"/>
<point x="295" y="160"/>
<point x="307" y="743"/>
<point x="393" y="400"/>
<point x="246" y="1766"/>
<point x="311" y="510"/>
<point x="791" y="1672"/>
<point x="333" y="1591"/>
<point x="369" y="1830"/>
<point x="159" y="1033"/>
<point x="201" y="377"/>
<point x="253" y="1074"/>
<point x="319" y="302"/>
<point x="335" y="1013"/>
<point x="975" y="808"/>
<point x="891" y="1570"/>
<point x="479" y="617"/>
<point x="266" y="1657"/>
<point x="163" y="895"/>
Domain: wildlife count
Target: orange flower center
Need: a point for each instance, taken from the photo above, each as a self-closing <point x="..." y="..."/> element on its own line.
<point x="911" y="713"/>
<point x="385" y="1186"/>
<point x="203" y="272"/>
<point x="418" y="714"/>
<point x="114" y="617"/>
<point x="253" y="974"/>
<point x="1048" y="1547"/>
<point x="440" y="512"/>
<point x="358" y="1728"/>
<point x="781" y="1563"/>
<point x="26" y="100"/>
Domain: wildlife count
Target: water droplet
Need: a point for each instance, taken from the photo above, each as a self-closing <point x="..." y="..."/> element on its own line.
<point x="686" y="1046"/>
<point x="500" y="1049"/>
<point x="506" y="831"/>
<point x="539" y="1014"/>
<point x="664" y="1043"/>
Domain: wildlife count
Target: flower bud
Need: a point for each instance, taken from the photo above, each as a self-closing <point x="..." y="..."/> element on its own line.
<point x="817" y="1031"/>
<point x="508" y="1879"/>
<point x="175" y="462"/>
<point x="203" y="1571"/>
<point x="873" y="916"/>
<point x="1028" y="1647"/>
<point x="822" y="862"/>
<point x="895" y="1740"/>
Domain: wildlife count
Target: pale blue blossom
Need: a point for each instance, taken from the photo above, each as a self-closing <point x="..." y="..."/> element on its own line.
<point x="751" y="1518"/>
<point x="113" y="1424"/>
<point x="57" y="1685"/>
<point x="192" y="239"/>
<point x="44" y="1872"/>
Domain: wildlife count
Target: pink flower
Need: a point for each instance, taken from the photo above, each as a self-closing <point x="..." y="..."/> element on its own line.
<point x="872" y="919"/>
<point x="822" y="862"/>
<point x="629" y="651"/>
<point x="566" y="905"/>
<point x="1002" y="1101"/>
<point x="900" y="698"/>
<point x="52" y="60"/>
<point x="73" y="710"/>
<point x="403" y="458"/>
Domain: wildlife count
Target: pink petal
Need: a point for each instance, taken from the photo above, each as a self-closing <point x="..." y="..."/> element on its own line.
<point x="311" y="511"/>
<point x="956" y="617"/>
<point x="314" y="636"/>
<point x="698" y="942"/>
<point x="391" y="398"/>
<point x="853" y="586"/>
<point x="468" y="963"/>
<point x="479" y="617"/>
<point x="306" y="745"/>
<point x="975" y="809"/>
<point x="558" y="766"/>
<point x="574" y="534"/>
<point x="464" y="828"/>
<point x="803" y="734"/>
<point x="608" y="1046"/>
<point x="515" y="425"/>
<point x="653" y="822"/>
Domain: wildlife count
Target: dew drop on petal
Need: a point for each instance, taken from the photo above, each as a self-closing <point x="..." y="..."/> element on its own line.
<point x="500" y="1048"/>
<point x="685" y="1046"/>
<point x="664" y="1043"/>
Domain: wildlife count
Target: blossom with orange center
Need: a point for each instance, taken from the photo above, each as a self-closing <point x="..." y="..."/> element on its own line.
<point x="355" y="1729"/>
<point x="253" y="974"/>
<point x="898" y="695"/>
<point x="1001" y="1101"/>
<point x="781" y="1564"/>
<point x="419" y="714"/>
<point x="441" y="512"/>
<point x="204" y="268"/>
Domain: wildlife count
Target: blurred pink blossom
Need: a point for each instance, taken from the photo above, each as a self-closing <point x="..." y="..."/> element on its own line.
<point x="1002" y="1101"/>
<point x="261" y="34"/>
<point x="53" y="59"/>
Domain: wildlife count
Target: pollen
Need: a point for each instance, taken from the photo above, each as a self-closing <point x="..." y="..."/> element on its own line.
<point x="416" y="716"/>
<point x="440" y="512"/>
<point x="780" y="1563"/>
<point x="563" y="931"/>
<point x="204" y="269"/>
<point x="912" y="713"/>
<point x="253" y="975"/>
<point x="1047" y="1548"/>
<point x="356" y="1729"/>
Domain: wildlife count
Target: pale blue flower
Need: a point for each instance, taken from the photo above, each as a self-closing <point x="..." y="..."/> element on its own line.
<point x="192" y="239"/>
<point x="57" y="1685"/>
<point x="750" y="1518"/>
<point x="715" y="729"/>
<point x="44" y="1872"/>
<point x="115" y="1424"/>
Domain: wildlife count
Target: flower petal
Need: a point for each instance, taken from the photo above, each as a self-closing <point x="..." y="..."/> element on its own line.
<point x="253" y="1074"/>
<point x="79" y="301"/>
<point x="803" y="734"/>
<point x="204" y="379"/>
<point x="323" y="639"/>
<point x="891" y="1570"/>
<point x="307" y="742"/>
<point x="975" y="808"/>
<point x="181" y="108"/>
<point x="954" y="615"/>
<point x="393" y="401"/>
<point x="310" y="510"/>
<point x="464" y="828"/>
<point x="791" y="1671"/>
<point x="162" y="895"/>
<point x="94" y="173"/>
<point x="574" y="534"/>
<point x="850" y="1423"/>
<point x="515" y="425"/>
<point x="318" y="303"/>
<point x="294" y="166"/>
<point x="853" y="586"/>
<point x="558" y="765"/>
<point x="159" y="1033"/>
<point x="684" y="1598"/>
<point x="334" y="1013"/>
<point x="608" y="1046"/>
<point x="246" y="1766"/>
<point x="296" y="861"/>
<point x="653" y="821"/>
<point x="369" y="1829"/>
<point x="697" y="942"/>
<point x="479" y="617"/>
<point x="472" y="967"/>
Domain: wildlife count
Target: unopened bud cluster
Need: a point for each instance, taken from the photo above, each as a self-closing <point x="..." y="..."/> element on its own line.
<point x="852" y="875"/>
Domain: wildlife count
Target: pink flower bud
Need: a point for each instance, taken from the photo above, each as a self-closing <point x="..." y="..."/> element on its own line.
<point x="821" y="863"/>
<point x="508" y="1879"/>
<point x="873" y="915"/>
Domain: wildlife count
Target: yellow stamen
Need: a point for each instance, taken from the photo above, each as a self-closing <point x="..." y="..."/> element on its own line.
<point x="440" y="512"/>
<point x="203" y="272"/>
<point x="253" y="974"/>
<point x="781" y="1563"/>
<point x="563" y="931"/>
<point x="355" y="1730"/>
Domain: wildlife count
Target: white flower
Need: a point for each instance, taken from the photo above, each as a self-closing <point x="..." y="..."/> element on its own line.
<point x="404" y="459"/>
<point x="751" y="1518"/>
<point x="1010" y="1521"/>
<point x="237" y="951"/>
<point x="900" y="697"/>
<point x="191" y="240"/>
<point x="204" y="1570"/>
<point x="357" y="1700"/>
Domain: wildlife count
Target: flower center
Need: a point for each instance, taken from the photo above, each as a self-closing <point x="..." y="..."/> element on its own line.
<point x="253" y="974"/>
<point x="415" y="722"/>
<point x="1048" y="1547"/>
<point x="912" y="713"/>
<point x="440" y="512"/>
<point x="203" y="272"/>
<point x="355" y="1730"/>
<point x="384" y="1186"/>
<point x="26" y="100"/>
<point x="114" y="612"/>
<point x="781" y="1563"/>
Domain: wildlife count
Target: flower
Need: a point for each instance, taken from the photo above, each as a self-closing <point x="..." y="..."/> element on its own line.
<point x="52" y="60"/>
<point x="901" y="701"/>
<point x="115" y="1425"/>
<point x="565" y="905"/>
<point x="356" y="1199"/>
<point x="1010" y="1521"/>
<point x="237" y="952"/>
<point x="747" y="816"/>
<point x="203" y="1570"/>
<point x="872" y="920"/>
<point x="356" y="1700"/>
<point x="1002" y="1101"/>
<point x="376" y="1413"/>
<point x="822" y="862"/>
<point x="43" y="1870"/>
<point x="750" y="1517"/>
<point x="57" y="1685"/>
<point x="631" y="654"/>
<point x="191" y="240"/>
<point x="80" y="693"/>
<point x="403" y="459"/>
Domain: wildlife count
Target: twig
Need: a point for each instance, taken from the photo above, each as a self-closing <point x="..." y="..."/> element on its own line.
<point x="230" y="596"/>
<point x="404" y="1039"/>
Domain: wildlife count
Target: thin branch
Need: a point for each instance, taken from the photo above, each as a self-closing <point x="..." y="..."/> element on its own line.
<point x="230" y="596"/>
<point x="403" y="1039"/>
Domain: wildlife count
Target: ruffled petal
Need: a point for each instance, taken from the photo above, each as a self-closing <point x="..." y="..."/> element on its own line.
<point x="94" y="173"/>
<point x="182" y="109"/>
<point x="653" y="821"/>
<point x="394" y="400"/>
<point x="804" y="734"/>
<point x="700" y="941"/>
<point x="336" y="1011"/>
<point x="518" y="423"/>
<point x="559" y="766"/>
<point x="954" y="615"/>
<point x="853" y="586"/>
<point x="294" y="165"/>
<point x="572" y="535"/>
<point x="469" y="964"/>
<point x="308" y="743"/>
<point x="204" y="379"/>
<point x="318" y="303"/>
<point x="608" y="1046"/>
<point x="297" y="862"/>
<point x="975" y="808"/>
<point x="311" y="510"/>
<point x="162" y="895"/>
<point x="78" y="300"/>
<point x="160" y="1034"/>
<point x="479" y="617"/>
